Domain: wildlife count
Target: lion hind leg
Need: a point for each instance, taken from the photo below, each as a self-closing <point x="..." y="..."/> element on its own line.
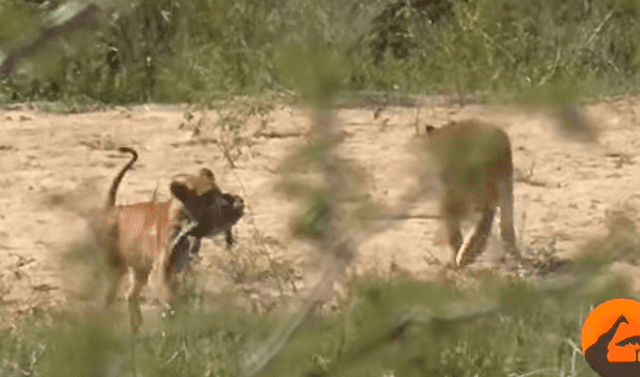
<point x="507" y="231"/>
<point x="454" y="235"/>
<point x="117" y="268"/>
<point x="452" y="212"/>
<point x="140" y="279"/>
<point x="477" y="242"/>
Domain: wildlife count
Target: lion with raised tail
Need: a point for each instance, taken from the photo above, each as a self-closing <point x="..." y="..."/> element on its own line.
<point x="138" y="236"/>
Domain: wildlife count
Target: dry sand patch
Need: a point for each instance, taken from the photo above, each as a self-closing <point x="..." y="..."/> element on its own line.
<point x="55" y="168"/>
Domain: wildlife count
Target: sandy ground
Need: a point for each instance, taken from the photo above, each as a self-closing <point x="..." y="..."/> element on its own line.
<point x="55" y="168"/>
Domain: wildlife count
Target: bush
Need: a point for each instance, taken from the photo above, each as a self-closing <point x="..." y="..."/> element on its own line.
<point x="193" y="50"/>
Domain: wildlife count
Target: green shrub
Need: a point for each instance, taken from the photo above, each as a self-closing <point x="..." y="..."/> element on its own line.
<point x="191" y="50"/>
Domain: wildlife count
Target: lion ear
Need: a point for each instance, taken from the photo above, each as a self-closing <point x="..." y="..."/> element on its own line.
<point x="206" y="173"/>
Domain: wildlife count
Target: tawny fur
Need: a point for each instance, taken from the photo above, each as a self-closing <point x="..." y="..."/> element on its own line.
<point x="476" y="170"/>
<point x="139" y="236"/>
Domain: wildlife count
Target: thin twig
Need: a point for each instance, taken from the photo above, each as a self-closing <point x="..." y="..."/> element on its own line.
<point x="259" y="359"/>
<point x="537" y="371"/>
<point x="597" y="30"/>
<point x="504" y="50"/>
<point x="251" y="218"/>
<point x="573" y="345"/>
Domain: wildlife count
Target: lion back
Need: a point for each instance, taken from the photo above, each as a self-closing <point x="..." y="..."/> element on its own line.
<point x="473" y="158"/>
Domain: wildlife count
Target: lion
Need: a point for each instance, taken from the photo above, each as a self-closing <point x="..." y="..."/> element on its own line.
<point x="138" y="236"/>
<point x="476" y="170"/>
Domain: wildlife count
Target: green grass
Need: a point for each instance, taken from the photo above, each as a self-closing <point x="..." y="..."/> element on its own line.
<point x="197" y="50"/>
<point x="501" y="327"/>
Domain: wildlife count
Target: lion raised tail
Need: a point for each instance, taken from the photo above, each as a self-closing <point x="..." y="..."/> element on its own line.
<point x="111" y="199"/>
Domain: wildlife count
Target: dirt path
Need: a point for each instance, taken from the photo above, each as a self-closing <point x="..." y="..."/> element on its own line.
<point x="55" y="168"/>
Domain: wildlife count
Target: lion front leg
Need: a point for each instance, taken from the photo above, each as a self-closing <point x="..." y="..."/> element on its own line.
<point x="116" y="279"/>
<point x="507" y="232"/>
<point x="168" y="281"/>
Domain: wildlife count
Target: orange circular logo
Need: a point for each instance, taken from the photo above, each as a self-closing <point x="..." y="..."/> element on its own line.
<point x="611" y="338"/>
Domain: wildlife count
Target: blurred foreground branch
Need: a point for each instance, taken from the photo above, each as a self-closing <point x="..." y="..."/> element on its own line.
<point x="88" y="17"/>
<point x="338" y="245"/>
<point x="337" y="248"/>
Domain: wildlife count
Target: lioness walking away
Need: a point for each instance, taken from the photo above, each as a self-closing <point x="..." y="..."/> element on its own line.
<point x="476" y="170"/>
